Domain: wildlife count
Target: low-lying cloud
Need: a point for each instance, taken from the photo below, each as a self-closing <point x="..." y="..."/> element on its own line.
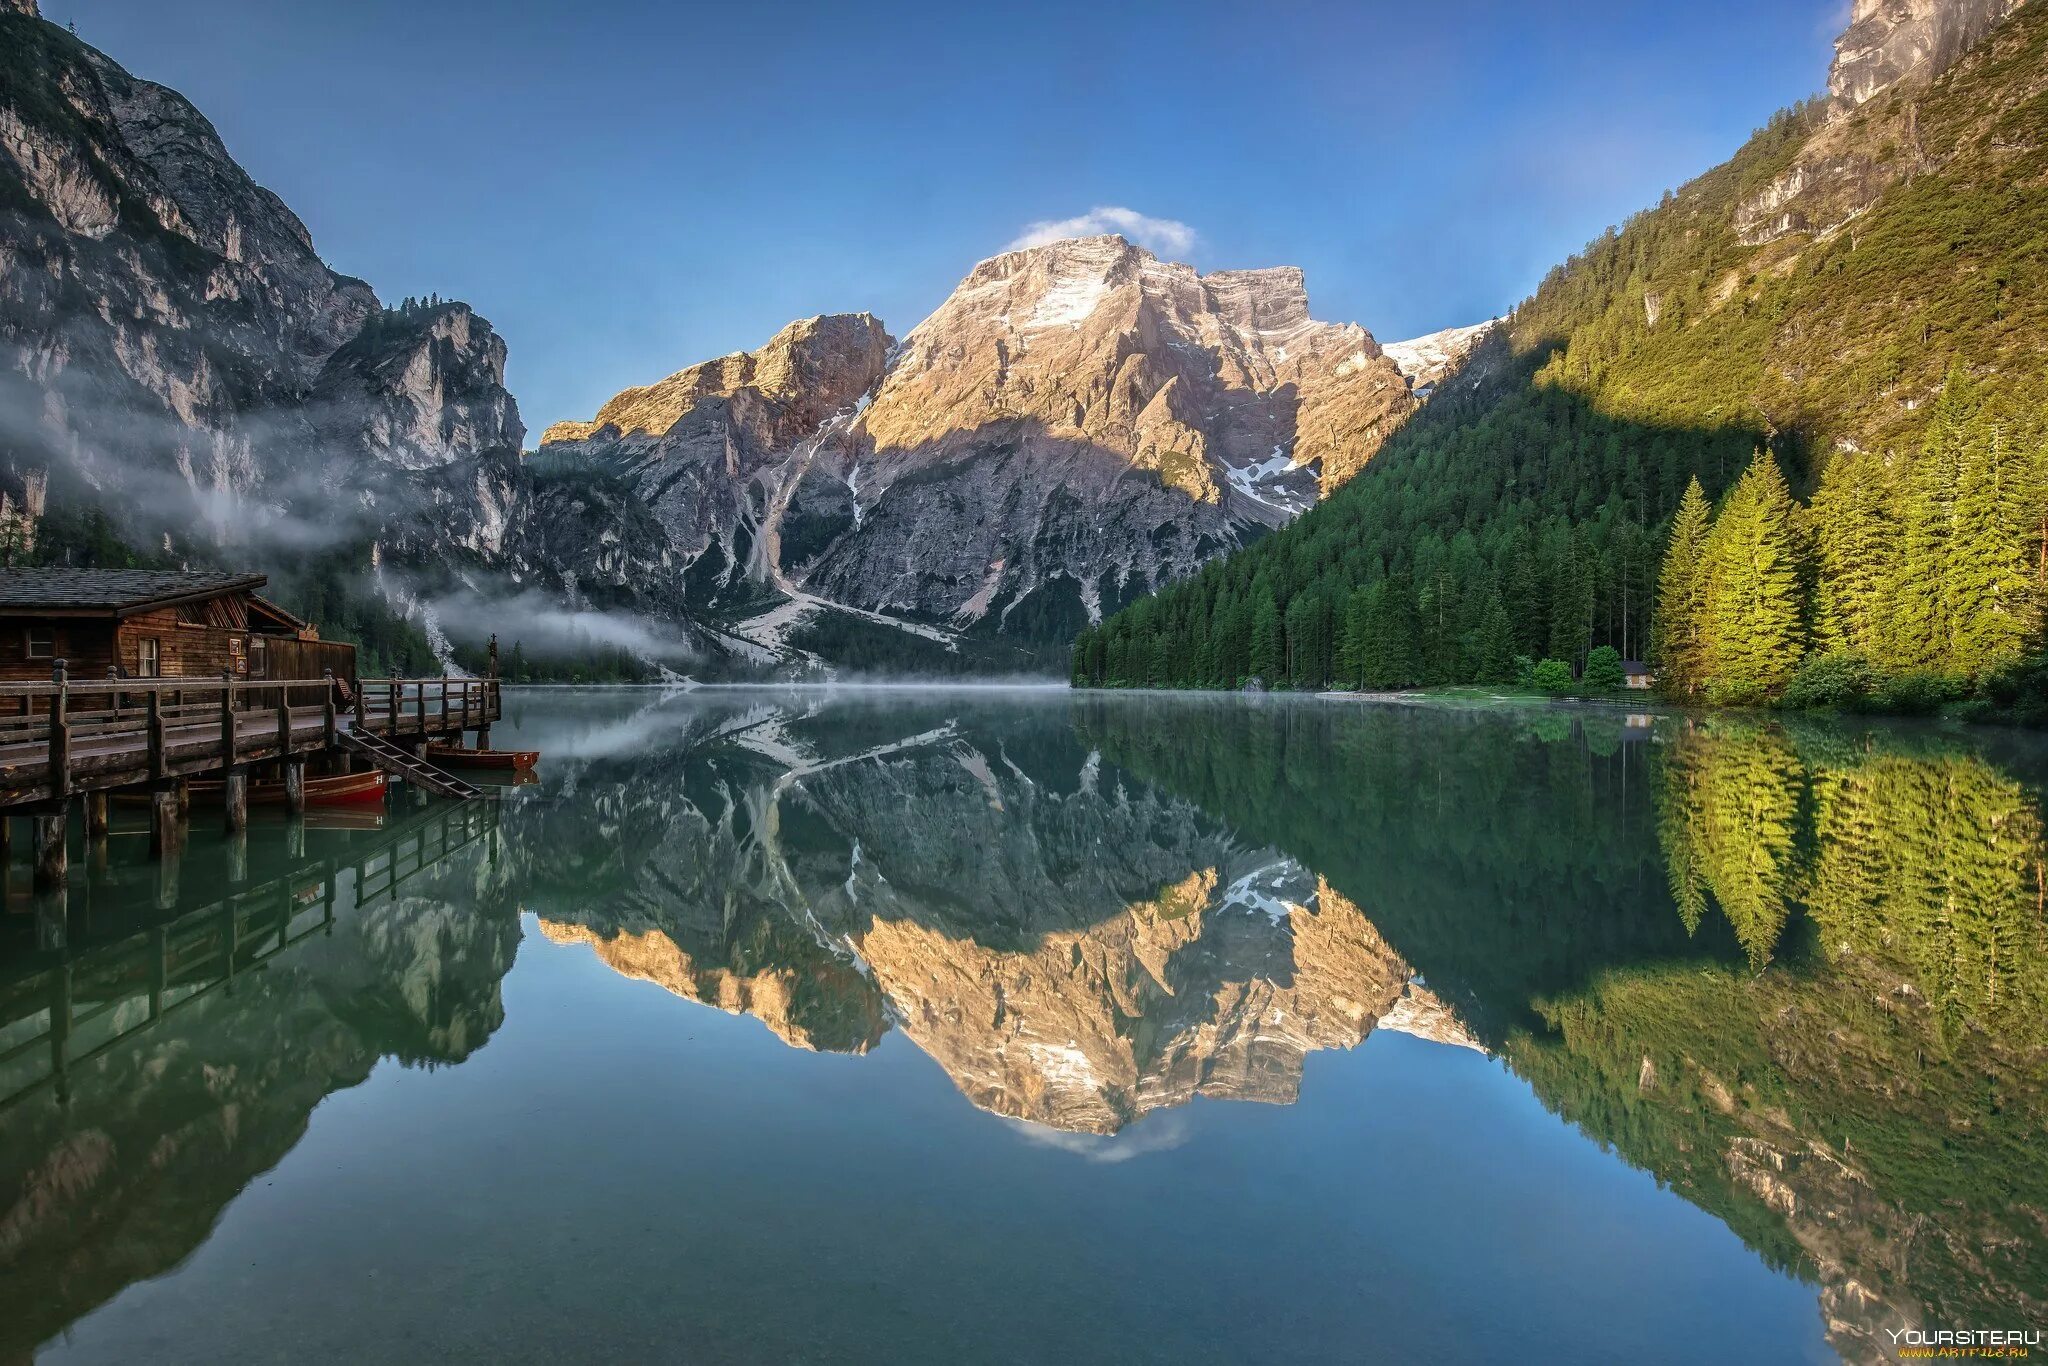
<point x="1165" y="236"/>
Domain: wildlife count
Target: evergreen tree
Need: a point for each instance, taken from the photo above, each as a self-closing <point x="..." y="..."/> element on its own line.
<point x="1265" y="641"/>
<point x="1753" y="596"/>
<point x="1682" y="596"/>
<point x="1494" y="648"/>
<point x="1989" y="590"/>
<point x="1854" y="542"/>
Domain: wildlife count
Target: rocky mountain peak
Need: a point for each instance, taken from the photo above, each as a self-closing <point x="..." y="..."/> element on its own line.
<point x="814" y="367"/>
<point x="27" y="7"/>
<point x="1889" y="41"/>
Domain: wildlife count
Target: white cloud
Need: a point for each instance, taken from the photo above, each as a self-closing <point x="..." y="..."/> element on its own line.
<point x="1162" y="235"/>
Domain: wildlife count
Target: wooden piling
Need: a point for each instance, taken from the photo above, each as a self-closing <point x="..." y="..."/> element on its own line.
<point x="295" y="786"/>
<point x="163" y="822"/>
<point x="53" y="847"/>
<point x="96" y="816"/>
<point x="235" y="797"/>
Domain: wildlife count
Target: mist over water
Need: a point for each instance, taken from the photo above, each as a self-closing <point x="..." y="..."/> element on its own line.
<point x="944" y="1024"/>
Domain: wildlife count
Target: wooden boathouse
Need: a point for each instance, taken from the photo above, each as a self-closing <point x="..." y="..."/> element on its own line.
<point x="143" y="681"/>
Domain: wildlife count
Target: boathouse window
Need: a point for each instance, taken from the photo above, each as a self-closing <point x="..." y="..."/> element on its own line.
<point x="42" y="642"/>
<point x="149" y="657"/>
<point x="259" y="658"/>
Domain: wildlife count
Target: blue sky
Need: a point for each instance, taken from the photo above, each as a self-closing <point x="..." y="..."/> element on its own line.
<point x="625" y="187"/>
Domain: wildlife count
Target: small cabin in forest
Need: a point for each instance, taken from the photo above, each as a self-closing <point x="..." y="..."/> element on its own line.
<point x="150" y="623"/>
<point x="1636" y="674"/>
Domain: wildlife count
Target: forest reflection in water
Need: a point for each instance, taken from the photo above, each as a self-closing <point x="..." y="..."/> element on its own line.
<point x="1796" y="973"/>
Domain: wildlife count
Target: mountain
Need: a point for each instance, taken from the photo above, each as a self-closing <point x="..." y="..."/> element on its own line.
<point x="1076" y="424"/>
<point x="186" y="380"/>
<point x="1857" y="294"/>
<point x="183" y="378"/>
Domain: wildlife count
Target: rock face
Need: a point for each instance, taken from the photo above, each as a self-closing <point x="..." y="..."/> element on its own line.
<point x="174" y="351"/>
<point x="712" y="454"/>
<point x="1841" y="170"/>
<point x="1889" y="41"/>
<point x="1077" y="423"/>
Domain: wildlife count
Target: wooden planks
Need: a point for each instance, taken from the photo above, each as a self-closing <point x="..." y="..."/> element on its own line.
<point x="92" y="736"/>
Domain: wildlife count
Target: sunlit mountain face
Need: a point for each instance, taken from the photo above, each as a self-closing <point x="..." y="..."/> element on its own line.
<point x="1795" y="973"/>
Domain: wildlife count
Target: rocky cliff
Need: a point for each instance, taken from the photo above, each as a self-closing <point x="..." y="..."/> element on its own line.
<point x="174" y="352"/>
<point x="1891" y="48"/>
<point x="1078" y="422"/>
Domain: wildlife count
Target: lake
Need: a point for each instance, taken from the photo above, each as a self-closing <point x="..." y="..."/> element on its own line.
<point x="941" y="1026"/>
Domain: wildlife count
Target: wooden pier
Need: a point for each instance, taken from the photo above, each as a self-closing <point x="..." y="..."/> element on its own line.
<point x="79" y="742"/>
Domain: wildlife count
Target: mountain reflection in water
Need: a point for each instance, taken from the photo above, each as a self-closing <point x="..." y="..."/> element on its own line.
<point x="1800" y="975"/>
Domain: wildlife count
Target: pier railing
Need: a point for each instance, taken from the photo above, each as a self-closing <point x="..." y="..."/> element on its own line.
<point x="70" y="735"/>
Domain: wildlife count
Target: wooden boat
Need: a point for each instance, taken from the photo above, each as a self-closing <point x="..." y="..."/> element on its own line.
<point x="455" y="756"/>
<point x="329" y="789"/>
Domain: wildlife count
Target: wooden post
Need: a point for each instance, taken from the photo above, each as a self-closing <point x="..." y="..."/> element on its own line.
<point x="114" y="698"/>
<point x="60" y="733"/>
<point x="163" y="822"/>
<point x="227" y="716"/>
<point x="184" y="799"/>
<point x="237" y="846"/>
<point x="235" y="796"/>
<point x="362" y="705"/>
<point x="284" y="719"/>
<point x="421" y="709"/>
<point x="53" y="852"/>
<point x="327" y="717"/>
<point x="96" y="816"/>
<point x="295" y="786"/>
<point x="158" y="760"/>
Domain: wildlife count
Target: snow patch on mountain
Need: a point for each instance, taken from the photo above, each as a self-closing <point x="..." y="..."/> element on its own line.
<point x="1429" y="360"/>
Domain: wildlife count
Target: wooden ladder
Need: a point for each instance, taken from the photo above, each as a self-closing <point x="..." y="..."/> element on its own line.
<point x="392" y="759"/>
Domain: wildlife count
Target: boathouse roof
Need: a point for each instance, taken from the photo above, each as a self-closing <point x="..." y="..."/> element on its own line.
<point x="112" y="592"/>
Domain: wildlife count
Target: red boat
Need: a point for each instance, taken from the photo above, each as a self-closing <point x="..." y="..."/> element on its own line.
<point x="331" y="789"/>
<point x="455" y="756"/>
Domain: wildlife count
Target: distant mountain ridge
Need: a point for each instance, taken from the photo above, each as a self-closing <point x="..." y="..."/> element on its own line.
<point x="1078" y="423"/>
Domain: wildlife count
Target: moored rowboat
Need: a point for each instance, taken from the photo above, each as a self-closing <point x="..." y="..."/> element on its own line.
<point x="330" y="789"/>
<point x="456" y="756"/>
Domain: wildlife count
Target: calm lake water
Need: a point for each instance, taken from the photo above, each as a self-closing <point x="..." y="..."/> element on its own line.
<point x="962" y="1026"/>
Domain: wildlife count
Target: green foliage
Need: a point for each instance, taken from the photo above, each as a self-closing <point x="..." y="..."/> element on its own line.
<point x="1837" y="680"/>
<point x="1603" y="669"/>
<point x="1754" y="607"/>
<point x="1552" y="675"/>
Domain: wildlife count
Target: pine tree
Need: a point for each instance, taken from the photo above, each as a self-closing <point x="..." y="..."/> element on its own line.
<point x="1919" y="627"/>
<point x="1265" y="642"/>
<point x="1990" y="584"/>
<point x="1854" y="542"/>
<point x="1754" y="600"/>
<point x="1494" y="648"/>
<point x="1681" y="596"/>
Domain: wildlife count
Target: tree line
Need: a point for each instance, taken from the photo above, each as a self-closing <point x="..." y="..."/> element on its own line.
<point x="1921" y="575"/>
